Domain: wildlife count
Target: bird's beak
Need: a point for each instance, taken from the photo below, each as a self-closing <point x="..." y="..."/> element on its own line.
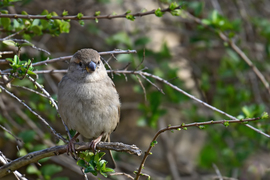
<point x="91" y="67"/>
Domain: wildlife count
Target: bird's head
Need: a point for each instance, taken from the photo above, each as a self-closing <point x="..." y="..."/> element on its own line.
<point x="86" y="65"/>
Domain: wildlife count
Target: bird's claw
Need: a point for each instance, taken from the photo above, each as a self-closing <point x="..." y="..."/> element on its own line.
<point x="71" y="149"/>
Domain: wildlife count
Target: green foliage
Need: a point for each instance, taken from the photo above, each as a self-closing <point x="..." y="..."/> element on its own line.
<point x="130" y="17"/>
<point x="94" y="163"/>
<point x="158" y="12"/>
<point x="79" y="15"/>
<point x="153" y="143"/>
<point x="20" y="67"/>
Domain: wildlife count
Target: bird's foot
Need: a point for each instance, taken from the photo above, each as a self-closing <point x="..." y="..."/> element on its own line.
<point x="94" y="143"/>
<point x="71" y="147"/>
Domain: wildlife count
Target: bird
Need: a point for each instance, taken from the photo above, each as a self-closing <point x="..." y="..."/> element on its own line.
<point x="88" y="100"/>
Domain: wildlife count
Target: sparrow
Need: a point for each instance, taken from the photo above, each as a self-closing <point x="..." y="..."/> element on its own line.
<point x="87" y="99"/>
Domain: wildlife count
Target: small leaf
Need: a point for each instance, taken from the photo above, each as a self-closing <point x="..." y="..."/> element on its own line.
<point x="176" y="12"/>
<point x="153" y="143"/>
<point x="81" y="23"/>
<point x="185" y="128"/>
<point x="130" y="17"/>
<point x="159" y="13"/>
<point x="108" y="170"/>
<point x="9" y="42"/>
<point x="128" y="11"/>
<point x="37" y="30"/>
<point x="265" y="115"/>
<point x="79" y="15"/>
<point x="96" y="19"/>
<point x="226" y="123"/>
<point x="81" y="163"/>
<point x="64" y="13"/>
<point x="173" y="5"/>
<point x="97" y="13"/>
<point x="49" y="16"/>
<point x="5" y="22"/>
<point x="202" y="127"/>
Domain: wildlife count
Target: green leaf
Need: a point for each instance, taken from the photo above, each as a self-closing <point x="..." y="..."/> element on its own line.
<point x="202" y="127"/>
<point x="226" y="123"/>
<point x="108" y="170"/>
<point x="173" y="5"/>
<point x="97" y="13"/>
<point x="79" y="15"/>
<point x="81" y="163"/>
<point x="91" y="169"/>
<point x="64" y="13"/>
<point x="50" y="169"/>
<point x="153" y="143"/>
<point x="176" y="12"/>
<point x="5" y="22"/>
<point x="128" y="11"/>
<point x="130" y="17"/>
<point x="36" y="29"/>
<point x="81" y="23"/>
<point x="49" y="16"/>
<point x="96" y="19"/>
<point x="9" y="42"/>
<point x="264" y="115"/>
<point x="159" y="13"/>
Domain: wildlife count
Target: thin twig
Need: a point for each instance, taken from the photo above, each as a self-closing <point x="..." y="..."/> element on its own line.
<point x="50" y="98"/>
<point x="17" y="16"/>
<point x="121" y="173"/>
<point x="68" y="57"/>
<point x="14" y="34"/>
<point x="8" y="131"/>
<point x="143" y="88"/>
<point x="36" y="114"/>
<point x="217" y="172"/>
<point x="179" y="127"/>
<point x="30" y="44"/>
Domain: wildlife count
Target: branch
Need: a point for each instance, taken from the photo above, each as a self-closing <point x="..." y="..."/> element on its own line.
<point x="36" y="114"/>
<point x="57" y="150"/>
<point x="235" y="48"/>
<point x="179" y="127"/>
<point x="48" y="61"/>
<point x="142" y="74"/>
<point x="17" y="16"/>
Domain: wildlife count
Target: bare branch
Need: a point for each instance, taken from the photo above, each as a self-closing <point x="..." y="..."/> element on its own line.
<point x="36" y="114"/>
<point x="57" y="150"/>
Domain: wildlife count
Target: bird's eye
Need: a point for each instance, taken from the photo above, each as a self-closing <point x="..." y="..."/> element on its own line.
<point x="80" y="63"/>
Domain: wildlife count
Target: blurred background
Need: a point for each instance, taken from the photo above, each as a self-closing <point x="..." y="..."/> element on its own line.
<point x="176" y="49"/>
